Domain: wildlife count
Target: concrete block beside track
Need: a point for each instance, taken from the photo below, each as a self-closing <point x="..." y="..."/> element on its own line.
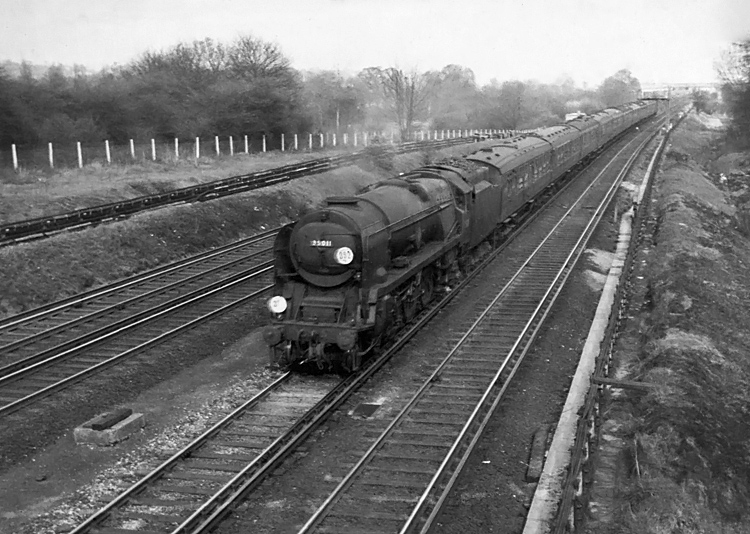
<point x="119" y="431"/>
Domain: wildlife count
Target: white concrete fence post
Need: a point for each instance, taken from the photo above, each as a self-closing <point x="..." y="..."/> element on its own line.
<point x="231" y="145"/>
<point x="80" y="155"/>
<point x="247" y="146"/>
<point x="296" y="142"/>
<point x="309" y="141"/>
<point x="176" y="148"/>
<point x="132" y="149"/>
<point x="216" y="142"/>
<point x="197" y="149"/>
<point x="15" y="156"/>
<point x="106" y="149"/>
<point x="153" y="149"/>
<point x="321" y="141"/>
<point x="282" y="143"/>
<point x="51" y="156"/>
<point x="264" y="143"/>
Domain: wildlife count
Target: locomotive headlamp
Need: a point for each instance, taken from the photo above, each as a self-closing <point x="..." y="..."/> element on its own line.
<point x="343" y="255"/>
<point x="277" y="304"/>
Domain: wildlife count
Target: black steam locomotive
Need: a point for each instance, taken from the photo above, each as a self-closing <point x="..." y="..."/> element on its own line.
<point x="353" y="272"/>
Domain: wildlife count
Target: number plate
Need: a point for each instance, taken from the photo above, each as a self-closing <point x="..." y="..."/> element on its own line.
<point x="320" y="243"/>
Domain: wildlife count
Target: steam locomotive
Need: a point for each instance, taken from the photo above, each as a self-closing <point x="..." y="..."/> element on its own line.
<point x="353" y="272"/>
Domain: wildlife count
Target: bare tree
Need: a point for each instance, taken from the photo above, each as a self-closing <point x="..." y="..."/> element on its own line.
<point x="210" y="56"/>
<point x="251" y="58"/>
<point x="405" y="95"/>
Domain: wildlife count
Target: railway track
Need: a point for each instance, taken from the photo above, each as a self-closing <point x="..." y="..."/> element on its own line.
<point x="47" y="349"/>
<point x="261" y="433"/>
<point x="409" y="469"/>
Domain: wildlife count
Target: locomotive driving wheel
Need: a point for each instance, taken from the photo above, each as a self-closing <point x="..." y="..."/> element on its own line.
<point x="426" y="288"/>
<point x="352" y="359"/>
<point x="411" y="300"/>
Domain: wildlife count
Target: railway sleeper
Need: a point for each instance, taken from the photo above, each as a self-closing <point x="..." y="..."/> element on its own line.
<point x="190" y="475"/>
<point x="441" y="412"/>
<point x="355" y="512"/>
<point x="418" y="443"/>
<point x="233" y="457"/>
<point x="148" y="501"/>
<point x="265" y="438"/>
<point x="462" y="398"/>
<point x="116" y="530"/>
<point x="409" y="469"/>
<point x="259" y="431"/>
<point x="425" y="432"/>
<point x="394" y="480"/>
<point x="423" y="456"/>
<point x="196" y="464"/>
<point x="186" y="490"/>
<point x="152" y="518"/>
<point x="253" y="445"/>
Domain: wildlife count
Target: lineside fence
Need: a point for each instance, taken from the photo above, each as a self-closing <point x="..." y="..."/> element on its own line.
<point x="79" y="154"/>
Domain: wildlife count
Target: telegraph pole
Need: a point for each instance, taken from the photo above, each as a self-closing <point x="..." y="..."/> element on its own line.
<point x="669" y="104"/>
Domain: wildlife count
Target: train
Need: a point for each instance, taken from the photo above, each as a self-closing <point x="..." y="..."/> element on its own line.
<point x="350" y="274"/>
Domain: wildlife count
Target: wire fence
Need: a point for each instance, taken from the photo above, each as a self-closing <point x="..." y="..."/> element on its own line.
<point x="71" y="155"/>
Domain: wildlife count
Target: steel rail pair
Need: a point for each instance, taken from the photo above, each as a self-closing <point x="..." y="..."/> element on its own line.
<point x="53" y="369"/>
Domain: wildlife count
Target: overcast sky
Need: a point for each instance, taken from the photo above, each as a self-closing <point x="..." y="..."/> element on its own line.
<point x="588" y="40"/>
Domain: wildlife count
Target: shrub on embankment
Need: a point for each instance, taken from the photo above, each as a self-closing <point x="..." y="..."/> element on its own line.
<point x="690" y="458"/>
<point x="38" y="272"/>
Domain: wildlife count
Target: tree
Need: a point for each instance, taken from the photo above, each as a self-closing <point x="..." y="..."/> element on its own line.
<point x="334" y="101"/>
<point x="204" y="87"/>
<point x="251" y="58"/>
<point x="734" y="71"/>
<point x="620" y="88"/>
<point x="454" y="97"/>
<point x="404" y="95"/>
<point x="510" y="104"/>
<point x="16" y="125"/>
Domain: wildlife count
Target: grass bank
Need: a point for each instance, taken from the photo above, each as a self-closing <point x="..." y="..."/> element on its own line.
<point x="686" y="463"/>
<point x="31" y="193"/>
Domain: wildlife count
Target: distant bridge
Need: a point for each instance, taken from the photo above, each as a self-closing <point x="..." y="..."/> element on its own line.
<point x="678" y="87"/>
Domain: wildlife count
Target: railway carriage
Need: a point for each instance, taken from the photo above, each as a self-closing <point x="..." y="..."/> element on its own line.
<point x="590" y="132"/>
<point x="350" y="274"/>
<point x="567" y="145"/>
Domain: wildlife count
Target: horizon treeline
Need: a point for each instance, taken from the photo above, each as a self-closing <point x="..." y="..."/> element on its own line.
<point x="248" y="87"/>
